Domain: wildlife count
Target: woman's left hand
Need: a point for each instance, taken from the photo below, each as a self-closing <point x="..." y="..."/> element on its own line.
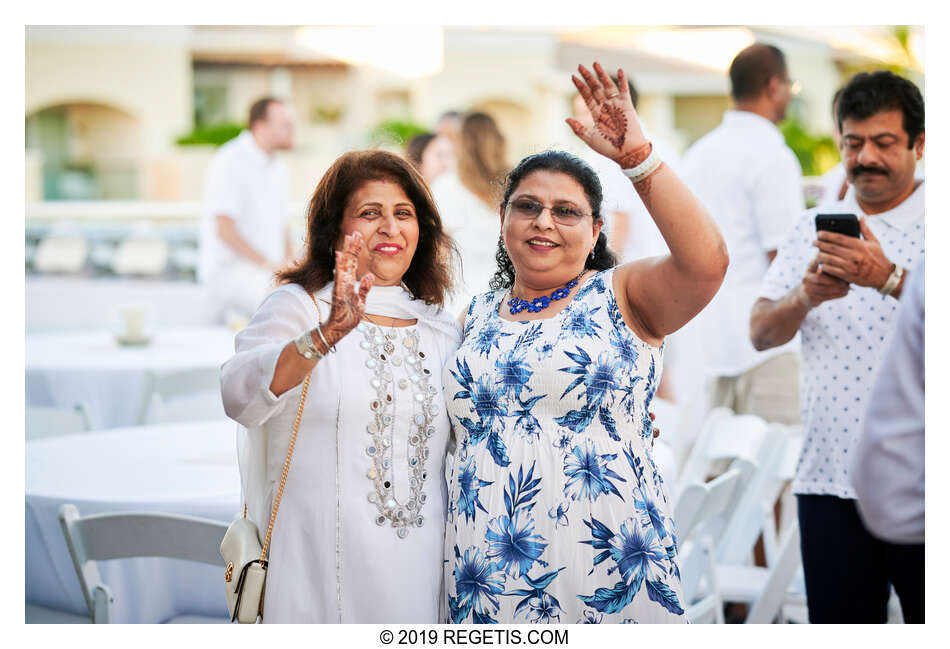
<point x="656" y="431"/>
<point x="616" y="131"/>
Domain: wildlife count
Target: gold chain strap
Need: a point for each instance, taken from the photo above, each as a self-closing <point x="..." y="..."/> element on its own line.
<point x="290" y="452"/>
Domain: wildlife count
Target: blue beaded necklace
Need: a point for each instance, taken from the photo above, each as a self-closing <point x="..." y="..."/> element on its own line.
<point x="517" y="305"/>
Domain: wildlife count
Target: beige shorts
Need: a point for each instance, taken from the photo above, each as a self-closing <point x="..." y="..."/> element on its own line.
<point x="769" y="390"/>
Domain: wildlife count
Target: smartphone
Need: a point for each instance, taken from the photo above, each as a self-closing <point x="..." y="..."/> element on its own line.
<point x="846" y="224"/>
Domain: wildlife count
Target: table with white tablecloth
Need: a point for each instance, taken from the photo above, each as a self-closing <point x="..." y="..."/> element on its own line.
<point x="188" y="469"/>
<point x="68" y="367"/>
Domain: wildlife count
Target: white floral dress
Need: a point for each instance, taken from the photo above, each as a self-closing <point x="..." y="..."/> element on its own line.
<point x="557" y="512"/>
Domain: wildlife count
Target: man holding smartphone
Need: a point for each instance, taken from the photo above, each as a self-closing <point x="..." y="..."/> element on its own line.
<point x="842" y="293"/>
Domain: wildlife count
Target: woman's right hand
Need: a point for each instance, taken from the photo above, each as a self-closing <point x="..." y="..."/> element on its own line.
<point x="349" y="304"/>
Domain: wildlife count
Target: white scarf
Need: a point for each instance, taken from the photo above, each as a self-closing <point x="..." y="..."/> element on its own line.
<point x="397" y="302"/>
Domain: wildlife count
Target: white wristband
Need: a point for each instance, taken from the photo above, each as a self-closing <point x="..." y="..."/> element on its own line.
<point x="893" y="281"/>
<point x="645" y="168"/>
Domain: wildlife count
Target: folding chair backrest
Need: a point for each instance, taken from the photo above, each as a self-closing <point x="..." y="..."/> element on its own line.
<point x="790" y="453"/>
<point x="739" y="436"/>
<point x="42" y="421"/>
<point x="758" y="494"/>
<point x="694" y="469"/>
<point x="141" y="256"/>
<point x="134" y="534"/>
<point x="188" y="395"/>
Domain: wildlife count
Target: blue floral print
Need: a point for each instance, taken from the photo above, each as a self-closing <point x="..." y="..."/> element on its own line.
<point x="548" y="523"/>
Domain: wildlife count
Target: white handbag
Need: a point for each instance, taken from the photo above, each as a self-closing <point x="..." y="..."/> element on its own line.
<point x="242" y="550"/>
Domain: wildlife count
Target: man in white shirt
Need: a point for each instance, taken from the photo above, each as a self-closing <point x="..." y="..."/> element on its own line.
<point x="750" y="181"/>
<point x="888" y="465"/>
<point x="245" y="234"/>
<point x="841" y="293"/>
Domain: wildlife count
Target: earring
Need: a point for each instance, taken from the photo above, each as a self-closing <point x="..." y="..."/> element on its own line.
<point x="592" y="254"/>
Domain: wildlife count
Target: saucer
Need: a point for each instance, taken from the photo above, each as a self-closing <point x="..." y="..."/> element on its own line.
<point x="130" y="341"/>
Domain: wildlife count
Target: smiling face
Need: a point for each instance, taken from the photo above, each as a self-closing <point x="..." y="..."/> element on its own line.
<point x="381" y="211"/>
<point x="877" y="159"/>
<point x="543" y="251"/>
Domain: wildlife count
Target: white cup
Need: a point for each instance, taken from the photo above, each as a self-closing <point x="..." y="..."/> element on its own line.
<point x="134" y="320"/>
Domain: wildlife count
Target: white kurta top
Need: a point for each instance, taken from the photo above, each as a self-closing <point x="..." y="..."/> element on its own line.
<point x="329" y="559"/>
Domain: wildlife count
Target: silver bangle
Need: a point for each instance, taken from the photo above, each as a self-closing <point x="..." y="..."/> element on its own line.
<point x="893" y="281"/>
<point x="306" y="348"/>
<point x="325" y="343"/>
<point x="645" y="168"/>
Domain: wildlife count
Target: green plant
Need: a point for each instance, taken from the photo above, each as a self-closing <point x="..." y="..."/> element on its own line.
<point x="816" y="153"/>
<point x="214" y="134"/>
<point x="326" y="114"/>
<point x="395" y="131"/>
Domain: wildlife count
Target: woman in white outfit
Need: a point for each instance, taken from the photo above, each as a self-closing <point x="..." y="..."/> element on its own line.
<point x="359" y="531"/>
<point x="468" y="202"/>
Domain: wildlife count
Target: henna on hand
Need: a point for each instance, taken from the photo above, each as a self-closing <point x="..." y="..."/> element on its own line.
<point x="349" y="305"/>
<point x="612" y="124"/>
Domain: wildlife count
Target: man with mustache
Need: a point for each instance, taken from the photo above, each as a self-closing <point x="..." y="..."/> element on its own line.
<point x="842" y="294"/>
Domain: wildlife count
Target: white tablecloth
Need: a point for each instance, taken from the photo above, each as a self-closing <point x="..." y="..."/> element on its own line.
<point x="55" y="303"/>
<point x="181" y="469"/>
<point x="63" y="368"/>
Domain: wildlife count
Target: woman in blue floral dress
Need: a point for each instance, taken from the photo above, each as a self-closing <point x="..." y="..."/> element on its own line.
<point x="557" y="512"/>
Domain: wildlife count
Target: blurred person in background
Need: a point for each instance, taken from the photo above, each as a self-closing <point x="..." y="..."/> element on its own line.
<point x="834" y="182"/>
<point x="432" y="155"/>
<point x="358" y="537"/>
<point x="751" y="182"/>
<point x="468" y="202"/>
<point x="449" y="124"/>
<point x="841" y="293"/>
<point x="245" y="236"/>
<point x="889" y="462"/>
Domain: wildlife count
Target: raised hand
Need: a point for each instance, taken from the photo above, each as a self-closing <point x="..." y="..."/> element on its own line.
<point x="349" y="304"/>
<point x="616" y="131"/>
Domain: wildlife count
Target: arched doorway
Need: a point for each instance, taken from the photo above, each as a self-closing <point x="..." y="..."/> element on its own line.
<point x="89" y="151"/>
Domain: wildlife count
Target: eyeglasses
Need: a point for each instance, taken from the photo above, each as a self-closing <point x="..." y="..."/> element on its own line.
<point x="527" y="209"/>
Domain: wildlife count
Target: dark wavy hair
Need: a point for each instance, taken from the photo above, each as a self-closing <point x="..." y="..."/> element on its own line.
<point x="565" y="163"/>
<point x="429" y="276"/>
<point x="870" y="93"/>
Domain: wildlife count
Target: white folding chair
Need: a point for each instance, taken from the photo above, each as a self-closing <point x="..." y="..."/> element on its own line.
<point x="188" y="395"/>
<point x="700" y="505"/>
<point x="696" y="467"/>
<point x="740" y="581"/>
<point x="141" y="256"/>
<point x="61" y="253"/>
<point x="779" y="451"/>
<point x="44" y="421"/>
<point x="135" y="534"/>
<point x="770" y="596"/>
